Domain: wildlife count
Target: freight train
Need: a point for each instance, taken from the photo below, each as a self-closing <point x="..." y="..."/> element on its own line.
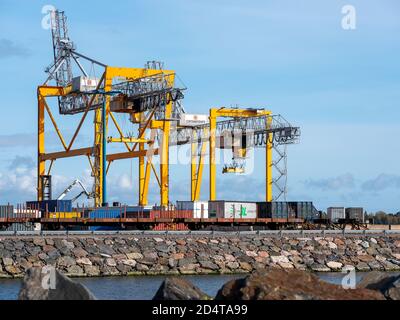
<point x="185" y="215"/>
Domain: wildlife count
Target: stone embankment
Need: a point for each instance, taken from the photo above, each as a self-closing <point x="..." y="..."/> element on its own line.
<point x="172" y="255"/>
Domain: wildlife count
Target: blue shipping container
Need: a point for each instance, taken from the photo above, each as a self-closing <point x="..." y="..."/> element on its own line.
<point x="106" y="213"/>
<point x="51" y="205"/>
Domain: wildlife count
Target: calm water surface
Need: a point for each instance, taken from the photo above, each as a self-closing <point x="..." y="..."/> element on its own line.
<point x="144" y="287"/>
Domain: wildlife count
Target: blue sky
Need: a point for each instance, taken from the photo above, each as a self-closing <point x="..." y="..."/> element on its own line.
<point x="342" y="87"/>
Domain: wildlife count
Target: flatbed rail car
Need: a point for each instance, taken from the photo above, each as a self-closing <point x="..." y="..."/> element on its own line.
<point x="168" y="223"/>
<point x="49" y="222"/>
<point x="142" y="218"/>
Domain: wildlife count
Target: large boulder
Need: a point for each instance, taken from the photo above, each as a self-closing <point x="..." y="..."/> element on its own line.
<point x="50" y="284"/>
<point x="389" y="286"/>
<point x="174" y="288"/>
<point x="280" y="284"/>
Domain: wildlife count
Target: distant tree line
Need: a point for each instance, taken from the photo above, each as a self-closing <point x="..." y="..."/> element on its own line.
<point x="382" y="217"/>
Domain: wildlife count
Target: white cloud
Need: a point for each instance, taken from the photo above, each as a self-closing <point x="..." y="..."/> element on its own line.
<point x="382" y="182"/>
<point x="9" y="49"/>
<point x="333" y="183"/>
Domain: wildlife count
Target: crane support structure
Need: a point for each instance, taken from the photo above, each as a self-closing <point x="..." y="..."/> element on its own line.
<point x="110" y="75"/>
<point x="236" y="113"/>
<point x="152" y="101"/>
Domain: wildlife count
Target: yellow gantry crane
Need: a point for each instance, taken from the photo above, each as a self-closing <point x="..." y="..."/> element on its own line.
<point x="151" y="100"/>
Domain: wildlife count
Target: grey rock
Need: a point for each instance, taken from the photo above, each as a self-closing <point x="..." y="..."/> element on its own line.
<point x="75" y="270"/>
<point x="8" y="262"/>
<point x="208" y="265"/>
<point x="64" y="288"/>
<point x="141" y="267"/>
<point x="66" y="261"/>
<point x="106" y="249"/>
<point x="179" y="289"/>
<point x="362" y="266"/>
<point x="79" y="252"/>
<point x="92" y="271"/>
<point x="389" y="286"/>
<point x="186" y="261"/>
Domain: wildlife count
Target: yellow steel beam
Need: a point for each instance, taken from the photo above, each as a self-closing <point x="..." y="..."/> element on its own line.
<point x="50" y="167"/>
<point x="141" y="166"/>
<point x="144" y="127"/>
<point x="155" y="174"/>
<point x="238" y="113"/>
<point x="108" y="166"/>
<point x="65" y="154"/>
<point x="199" y="174"/>
<point x="193" y="163"/>
<point x="50" y="91"/>
<point x="119" y="130"/>
<point x="213" y="169"/>
<point x="143" y="199"/>
<point x="41" y="163"/>
<point x="97" y="157"/>
<point x="128" y="155"/>
<point x="55" y="125"/>
<point x="268" y="156"/>
<point x="164" y="157"/>
<point x="134" y="73"/>
<point x="156" y="124"/>
<point x="91" y="164"/>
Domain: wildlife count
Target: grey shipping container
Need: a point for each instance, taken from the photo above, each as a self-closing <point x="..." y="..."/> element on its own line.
<point x="306" y="210"/>
<point x="336" y="213"/>
<point x="6" y="211"/>
<point x="275" y="209"/>
<point x="21" y="227"/>
<point x="232" y="209"/>
<point x="356" y="213"/>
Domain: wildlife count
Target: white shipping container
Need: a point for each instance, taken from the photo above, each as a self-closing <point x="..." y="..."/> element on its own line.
<point x="28" y="212"/>
<point x="336" y="213"/>
<point x="199" y="208"/>
<point x="190" y="120"/>
<point x="232" y="209"/>
<point x="84" y="84"/>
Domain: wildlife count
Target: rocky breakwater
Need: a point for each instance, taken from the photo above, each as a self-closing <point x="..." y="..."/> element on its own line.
<point x="172" y="255"/>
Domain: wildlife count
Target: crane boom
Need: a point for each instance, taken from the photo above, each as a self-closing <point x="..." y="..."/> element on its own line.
<point x="69" y="188"/>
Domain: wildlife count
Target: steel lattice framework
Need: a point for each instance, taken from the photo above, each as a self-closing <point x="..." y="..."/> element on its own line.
<point x="153" y="102"/>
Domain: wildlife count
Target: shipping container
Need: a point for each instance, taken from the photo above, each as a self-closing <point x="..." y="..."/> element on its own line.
<point x="170" y="214"/>
<point x="336" y="213"/>
<point x="50" y="205"/>
<point x="306" y="211"/>
<point x="6" y="211"/>
<point x="232" y="209"/>
<point x="106" y="213"/>
<point x="287" y="210"/>
<point x="199" y="208"/>
<point x="356" y="213"/>
<point x="64" y="215"/>
<point x="19" y="211"/>
<point x="136" y="211"/>
<point x="23" y="227"/>
<point x="274" y="209"/>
